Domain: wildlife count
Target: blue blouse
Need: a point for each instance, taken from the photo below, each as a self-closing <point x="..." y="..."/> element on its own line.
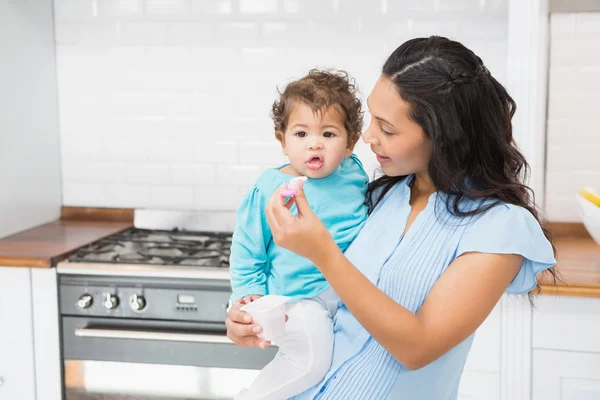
<point x="406" y="268"/>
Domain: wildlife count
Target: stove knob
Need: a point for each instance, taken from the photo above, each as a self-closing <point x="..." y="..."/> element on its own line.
<point x="111" y="301"/>
<point x="137" y="302"/>
<point x="85" y="301"/>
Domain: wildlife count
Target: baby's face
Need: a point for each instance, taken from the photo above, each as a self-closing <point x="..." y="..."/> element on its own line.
<point x="315" y="143"/>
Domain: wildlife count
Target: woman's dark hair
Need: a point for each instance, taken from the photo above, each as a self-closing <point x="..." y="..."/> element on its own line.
<point x="466" y="114"/>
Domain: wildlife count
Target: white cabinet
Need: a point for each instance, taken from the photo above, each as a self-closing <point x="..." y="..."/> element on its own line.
<point x="567" y="323"/>
<point x="29" y="335"/>
<point x="565" y="375"/>
<point x="17" y="365"/>
<point x="566" y="349"/>
<point x="481" y="377"/>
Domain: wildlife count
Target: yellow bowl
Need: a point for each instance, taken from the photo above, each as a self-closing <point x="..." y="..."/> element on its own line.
<point x="590" y="216"/>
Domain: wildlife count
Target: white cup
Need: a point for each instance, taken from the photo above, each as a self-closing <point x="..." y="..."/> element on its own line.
<point x="269" y="313"/>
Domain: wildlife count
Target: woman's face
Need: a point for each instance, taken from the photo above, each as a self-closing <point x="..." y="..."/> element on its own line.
<point x="399" y="143"/>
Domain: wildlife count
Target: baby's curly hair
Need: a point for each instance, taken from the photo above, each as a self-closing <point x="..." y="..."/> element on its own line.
<point x="319" y="90"/>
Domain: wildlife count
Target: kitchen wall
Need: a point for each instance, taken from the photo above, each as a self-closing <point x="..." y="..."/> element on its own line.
<point x="165" y="104"/>
<point x="29" y="139"/>
<point x="573" y="131"/>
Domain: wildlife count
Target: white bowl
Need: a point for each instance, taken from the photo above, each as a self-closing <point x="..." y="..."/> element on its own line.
<point x="590" y="215"/>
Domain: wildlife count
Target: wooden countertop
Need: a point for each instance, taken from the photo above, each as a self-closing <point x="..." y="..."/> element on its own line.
<point x="578" y="263"/>
<point x="45" y="245"/>
<point x="42" y="247"/>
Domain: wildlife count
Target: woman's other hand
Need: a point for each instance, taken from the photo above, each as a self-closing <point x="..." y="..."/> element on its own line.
<point x="305" y="234"/>
<point x="240" y="328"/>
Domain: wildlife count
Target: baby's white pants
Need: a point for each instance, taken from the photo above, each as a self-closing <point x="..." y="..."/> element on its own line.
<point x="305" y="351"/>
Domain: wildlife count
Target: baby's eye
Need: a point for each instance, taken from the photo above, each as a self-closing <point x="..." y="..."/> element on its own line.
<point x="301" y="134"/>
<point x="328" y="134"/>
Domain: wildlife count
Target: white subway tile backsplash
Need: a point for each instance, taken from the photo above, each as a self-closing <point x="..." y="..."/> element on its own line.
<point x="98" y="34"/>
<point x="359" y="9"/>
<point x="117" y="9"/>
<point x="193" y="174"/>
<point x="172" y="197"/>
<point x="573" y="159"/>
<point x="258" y="6"/>
<point x="238" y="175"/>
<point x="266" y="152"/>
<point x="66" y="34"/>
<point x="573" y="112"/>
<point x="485" y="30"/>
<point x="459" y="5"/>
<point x="571" y="105"/>
<point x="210" y="152"/>
<point x="212" y="7"/>
<point x="142" y="33"/>
<point x="74" y="10"/>
<point x="587" y="23"/>
<point x="132" y="151"/>
<point x="84" y="194"/>
<point x="575" y="51"/>
<point x="423" y="28"/>
<point x="400" y="7"/>
<point x="218" y="197"/>
<point x="562" y="208"/>
<point x="237" y="33"/>
<point x="562" y="24"/>
<point x="167" y="7"/>
<point x="569" y="182"/>
<point x="164" y="150"/>
<point x="280" y="33"/>
<point x="309" y="7"/>
<point x="128" y="195"/>
<point x="165" y="103"/>
<point x="190" y="33"/>
<point x="98" y="171"/>
<point x="495" y="5"/>
<point x="149" y="173"/>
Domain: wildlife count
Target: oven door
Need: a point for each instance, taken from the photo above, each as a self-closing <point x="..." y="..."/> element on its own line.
<point x="105" y="358"/>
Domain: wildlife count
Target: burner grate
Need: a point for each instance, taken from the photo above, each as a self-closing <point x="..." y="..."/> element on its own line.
<point x="156" y="247"/>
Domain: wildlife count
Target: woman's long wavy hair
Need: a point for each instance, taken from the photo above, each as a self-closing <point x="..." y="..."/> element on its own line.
<point x="466" y="114"/>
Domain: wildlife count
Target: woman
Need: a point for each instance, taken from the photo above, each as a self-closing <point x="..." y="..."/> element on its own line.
<point x="451" y="228"/>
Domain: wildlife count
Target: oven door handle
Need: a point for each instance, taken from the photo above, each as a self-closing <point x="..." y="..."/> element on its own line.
<point x="149" y="335"/>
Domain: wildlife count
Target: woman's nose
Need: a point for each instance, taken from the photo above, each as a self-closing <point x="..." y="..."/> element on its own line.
<point x="368" y="136"/>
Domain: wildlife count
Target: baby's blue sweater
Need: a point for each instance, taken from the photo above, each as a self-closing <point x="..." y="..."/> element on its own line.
<point x="258" y="266"/>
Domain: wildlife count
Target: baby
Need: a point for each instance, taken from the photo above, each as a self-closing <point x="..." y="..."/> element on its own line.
<point x="318" y="120"/>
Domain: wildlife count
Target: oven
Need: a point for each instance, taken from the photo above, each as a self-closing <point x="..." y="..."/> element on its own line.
<point x="151" y="328"/>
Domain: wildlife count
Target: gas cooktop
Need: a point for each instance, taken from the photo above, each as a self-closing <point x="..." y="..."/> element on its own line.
<point x="157" y="247"/>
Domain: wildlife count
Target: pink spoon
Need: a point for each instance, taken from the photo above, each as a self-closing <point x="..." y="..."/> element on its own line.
<point x="292" y="188"/>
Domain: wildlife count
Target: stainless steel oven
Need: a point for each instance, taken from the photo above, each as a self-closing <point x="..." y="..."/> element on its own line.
<point x="142" y="316"/>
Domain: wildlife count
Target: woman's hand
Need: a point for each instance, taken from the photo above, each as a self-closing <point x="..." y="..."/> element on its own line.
<point x="305" y="234"/>
<point x="240" y="328"/>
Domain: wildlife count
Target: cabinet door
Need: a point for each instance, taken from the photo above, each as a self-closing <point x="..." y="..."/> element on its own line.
<point x="481" y="377"/>
<point x="564" y="375"/>
<point x="16" y="335"/>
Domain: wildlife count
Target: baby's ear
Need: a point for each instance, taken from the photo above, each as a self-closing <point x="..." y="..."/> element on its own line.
<point x="352" y="140"/>
<point x="281" y="138"/>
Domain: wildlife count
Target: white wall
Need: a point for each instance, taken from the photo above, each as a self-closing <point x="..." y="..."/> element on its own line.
<point x="573" y="133"/>
<point x="166" y="103"/>
<point x="30" y="184"/>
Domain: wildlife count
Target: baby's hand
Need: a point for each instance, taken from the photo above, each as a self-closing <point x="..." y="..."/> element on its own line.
<point x="250" y="298"/>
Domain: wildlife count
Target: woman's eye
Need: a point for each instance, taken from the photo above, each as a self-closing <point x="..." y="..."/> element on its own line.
<point x="328" y="134"/>
<point x="386" y="132"/>
<point x="301" y="134"/>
